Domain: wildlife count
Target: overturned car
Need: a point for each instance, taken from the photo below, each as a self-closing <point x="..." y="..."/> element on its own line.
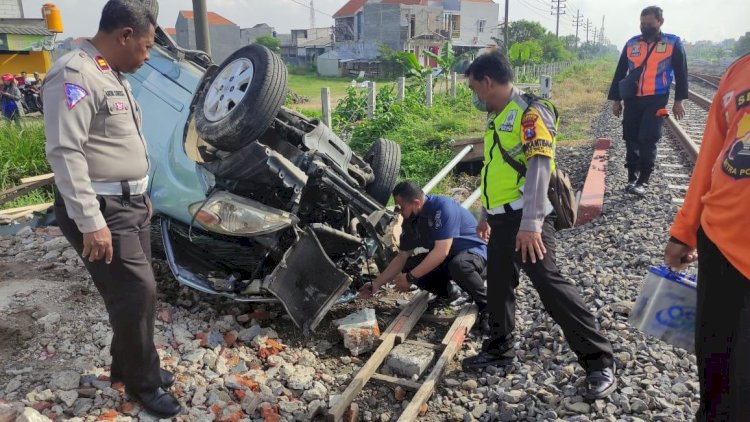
<point x="254" y="201"/>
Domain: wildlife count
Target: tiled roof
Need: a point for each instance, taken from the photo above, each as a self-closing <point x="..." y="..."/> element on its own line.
<point x="213" y="18"/>
<point x="24" y="27"/>
<point x="350" y="8"/>
<point x="170" y="31"/>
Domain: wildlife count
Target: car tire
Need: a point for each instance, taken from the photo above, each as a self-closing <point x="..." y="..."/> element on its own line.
<point x="384" y="157"/>
<point x="230" y="121"/>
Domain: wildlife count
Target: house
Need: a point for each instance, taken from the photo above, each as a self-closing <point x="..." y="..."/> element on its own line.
<point x="303" y="46"/>
<point x="224" y="34"/>
<point x="249" y="35"/>
<point x="25" y="44"/>
<point x="362" y="26"/>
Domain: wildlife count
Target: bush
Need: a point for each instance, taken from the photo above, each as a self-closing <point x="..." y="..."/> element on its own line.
<point x="424" y="133"/>
<point x="22" y="155"/>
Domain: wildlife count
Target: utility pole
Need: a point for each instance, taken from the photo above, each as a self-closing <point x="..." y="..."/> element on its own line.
<point x="601" y="32"/>
<point x="588" y="26"/>
<point x="556" y="11"/>
<point x="577" y="23"/>
<point x="312" y="14"/>
<point x="595" y="39"/>
<point x="200" y="19"/>
<point x="505" y="34"/>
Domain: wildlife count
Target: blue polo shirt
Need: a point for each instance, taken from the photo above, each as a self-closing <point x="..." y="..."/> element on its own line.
<point x="442" y="218"/>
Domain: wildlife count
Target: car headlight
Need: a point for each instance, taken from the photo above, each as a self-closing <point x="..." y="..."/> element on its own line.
<point x="234" y="215"/>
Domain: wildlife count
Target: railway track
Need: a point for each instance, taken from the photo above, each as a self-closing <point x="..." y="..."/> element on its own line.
<point x="688" y="134"/>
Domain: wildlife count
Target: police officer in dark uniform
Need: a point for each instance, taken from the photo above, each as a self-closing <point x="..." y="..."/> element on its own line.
<point x="98" y="154"/>
<point x="440" y="225"/>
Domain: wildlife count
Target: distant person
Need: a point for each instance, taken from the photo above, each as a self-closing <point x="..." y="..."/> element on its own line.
<point x="97" y="151"/>
<point x="11" y="99"/>
<point x="712" y="219"/>
<point x="518" y="224"/>
<point x="442" y="226"/>
<point x="650" y="60"/>
<point x="22" y="79"/>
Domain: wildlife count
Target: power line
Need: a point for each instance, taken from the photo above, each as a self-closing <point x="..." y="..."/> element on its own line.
<point x="558" y="13"/>
<point x="311" y="8"/>
<point x="577" y="23"/>
<point x="530" y="8"/>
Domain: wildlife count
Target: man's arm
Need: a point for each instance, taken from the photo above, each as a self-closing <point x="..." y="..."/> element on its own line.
<point x="620" y="72"/>
<point x="679" y="66"/>
<point x="433" y="259"/>
<point x="392" y="270"/>
<point x="535" y="202"/>
<point x="69" y="108"/>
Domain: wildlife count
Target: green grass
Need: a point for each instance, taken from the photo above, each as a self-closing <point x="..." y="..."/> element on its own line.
<point x="579" y="92"/>
<point x="22" y="155"/>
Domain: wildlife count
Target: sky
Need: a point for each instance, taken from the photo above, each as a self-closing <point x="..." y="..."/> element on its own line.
<point x="693" y="20"/>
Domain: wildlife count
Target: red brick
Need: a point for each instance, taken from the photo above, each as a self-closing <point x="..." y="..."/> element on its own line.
<point x="108" y="415"/>
<point x="259" y="315"/>
<point x="592" y="197"/>
<point x="399" y="394"/>
<point x="119" y="387"/>
<point x="269" y="413"/>
<point x="230" y="338"/>
<point x="41" y="406"/>
<point x="423" y="409"/>
<point x="165" y="315"/>
<point x="130" y="408"/>
<point x="352" y="413"/>
<point x="203" y="337"/>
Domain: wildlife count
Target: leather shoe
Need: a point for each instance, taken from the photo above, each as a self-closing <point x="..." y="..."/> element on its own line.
<point x="158" y="402"/>
<point x="600" y="383"/>
<point x="167" y="378"/>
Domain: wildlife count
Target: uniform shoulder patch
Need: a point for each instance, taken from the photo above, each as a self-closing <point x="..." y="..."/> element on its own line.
<point x="74" y="94"/>
<point x="102" y="64"/>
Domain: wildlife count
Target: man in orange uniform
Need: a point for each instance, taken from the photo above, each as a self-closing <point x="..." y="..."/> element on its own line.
<point x="713" y="219"/>
<point x="659" y="57"/>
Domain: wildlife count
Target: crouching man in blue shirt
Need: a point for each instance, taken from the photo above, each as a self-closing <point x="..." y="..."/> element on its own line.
<point x="440" y="225"/>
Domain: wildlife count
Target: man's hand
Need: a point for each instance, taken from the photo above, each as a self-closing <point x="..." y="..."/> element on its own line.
<point x="678" y="110"/>
<point x="402" y="283"/>
<point x="677" y="256"/>
<point x="530" y="243"/>
<point x="98" y="245"/>
<point x="617" y="108"/>
<point x="483" y="230"/>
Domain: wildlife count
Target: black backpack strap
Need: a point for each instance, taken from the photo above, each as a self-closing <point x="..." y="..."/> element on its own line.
<point x="517" y="166"/>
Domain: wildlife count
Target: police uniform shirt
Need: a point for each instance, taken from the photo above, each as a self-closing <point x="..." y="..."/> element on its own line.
<point x="92" y="126"/>
<point x="442" y="218"/>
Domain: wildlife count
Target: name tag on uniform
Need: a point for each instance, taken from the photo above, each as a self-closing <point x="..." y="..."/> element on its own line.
<point x="661" y="47"/>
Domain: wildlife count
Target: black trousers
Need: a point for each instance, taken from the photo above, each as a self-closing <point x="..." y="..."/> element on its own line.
<point x="465" y="268"/>
<point x="561" y="299"/>
<point x="722" y="336"/>
<point x="127" y="286"/>
<point x="641" y="130"/>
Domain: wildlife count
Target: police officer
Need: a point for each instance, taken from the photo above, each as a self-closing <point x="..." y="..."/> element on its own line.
<point x="440" y="225"/>
<point x="661" y="57"/>
<point x="98" y="154"/>
<point x="518" y="223"/>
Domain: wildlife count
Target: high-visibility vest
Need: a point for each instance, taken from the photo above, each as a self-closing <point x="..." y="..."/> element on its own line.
<point x="501" y="184"/>
<point x="658" y="73"/>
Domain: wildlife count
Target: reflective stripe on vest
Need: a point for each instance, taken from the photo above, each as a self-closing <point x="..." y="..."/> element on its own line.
<point x="501" y="184"/>
<point x="658" y="73"/>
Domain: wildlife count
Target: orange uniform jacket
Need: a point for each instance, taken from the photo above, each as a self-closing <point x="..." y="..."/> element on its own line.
<point x="719" y="195"/>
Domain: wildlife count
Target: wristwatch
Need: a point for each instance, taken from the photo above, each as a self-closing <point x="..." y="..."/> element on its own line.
<point x="411" y="278"/>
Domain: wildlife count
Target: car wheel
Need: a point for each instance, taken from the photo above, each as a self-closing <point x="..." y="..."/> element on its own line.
<point x="242" y="99"/>
<point x="384" y="157"/>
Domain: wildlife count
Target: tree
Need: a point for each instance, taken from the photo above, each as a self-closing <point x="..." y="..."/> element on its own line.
<point x="742" y="46"/>
<point x="447" y="59"/>
<point x="272" y="43"/>
<point x="523" y="30"/>
<point x="527" y="52"/>
<point x="569" y="41"/>
<point x="554" y="49"/>
<point x="411" y="65"/>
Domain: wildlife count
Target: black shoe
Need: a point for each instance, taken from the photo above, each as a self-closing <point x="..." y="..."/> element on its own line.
<point x="639" y="189"/>
<point x="600" y="383"/>
<point x="452" y="298"/>
<point x="497" y="352"/>
<point x="158" y="403"/>
<point x="167" y="378"/>
<point x="482" y="325"/>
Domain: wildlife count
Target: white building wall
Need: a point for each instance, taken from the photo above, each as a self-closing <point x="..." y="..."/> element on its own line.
<point x="11" y="9"/>
<point x="471" y="14"/>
